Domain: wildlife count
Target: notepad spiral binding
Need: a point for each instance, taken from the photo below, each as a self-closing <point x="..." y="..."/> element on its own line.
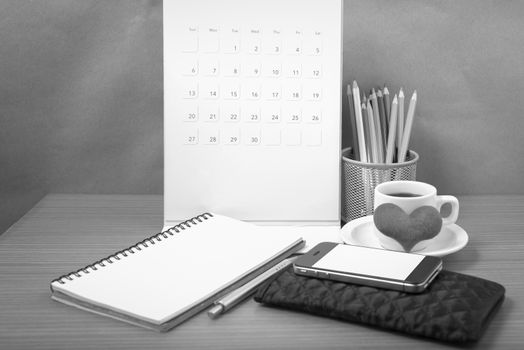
<point x="134" y="248"/>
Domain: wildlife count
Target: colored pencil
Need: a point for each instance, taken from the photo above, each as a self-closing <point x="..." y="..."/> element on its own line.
<point x="366" y="132"/>
<point x="352" y="124"/>
<point x="407" y="129"/>
<point x="387" y="105"/>
<point x="359" y="122"/>
<point x="372" y="134"/>
<point x="383" y="118"/>
<point x="400" y="119"/>
<point x="392" y="131"/>
<point x="378" y="128"/>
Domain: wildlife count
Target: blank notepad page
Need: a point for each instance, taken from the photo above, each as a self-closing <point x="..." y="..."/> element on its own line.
<point x="163" y="280"/>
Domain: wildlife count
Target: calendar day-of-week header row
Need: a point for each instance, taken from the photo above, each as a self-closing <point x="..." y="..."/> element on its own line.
<point x="195" y="29"/>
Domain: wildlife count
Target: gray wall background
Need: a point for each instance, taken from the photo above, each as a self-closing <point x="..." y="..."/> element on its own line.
<point x="81" y="92"/>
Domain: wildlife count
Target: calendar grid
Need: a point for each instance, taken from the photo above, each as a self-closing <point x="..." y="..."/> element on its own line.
<point x="250" y="86"/>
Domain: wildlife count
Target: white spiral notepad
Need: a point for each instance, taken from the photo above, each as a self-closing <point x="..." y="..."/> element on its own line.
<point x="167" y="278"/>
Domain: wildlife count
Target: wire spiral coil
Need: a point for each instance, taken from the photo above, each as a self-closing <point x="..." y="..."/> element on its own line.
<point x="145" y="243"/>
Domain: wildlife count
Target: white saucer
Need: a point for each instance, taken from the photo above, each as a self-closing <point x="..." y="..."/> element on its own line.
<point x="451" y="239"/>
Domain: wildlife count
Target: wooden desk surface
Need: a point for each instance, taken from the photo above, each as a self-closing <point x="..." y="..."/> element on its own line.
<point x="65" y="232"/>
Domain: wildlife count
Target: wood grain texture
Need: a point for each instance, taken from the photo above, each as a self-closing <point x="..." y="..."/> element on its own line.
<point x="65" y="232"/>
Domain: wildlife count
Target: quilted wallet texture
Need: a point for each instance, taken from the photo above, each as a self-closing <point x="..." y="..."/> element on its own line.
<point x="454" y="308"/>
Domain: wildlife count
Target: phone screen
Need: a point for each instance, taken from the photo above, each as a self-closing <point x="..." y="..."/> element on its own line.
<point x="368" y="261"/>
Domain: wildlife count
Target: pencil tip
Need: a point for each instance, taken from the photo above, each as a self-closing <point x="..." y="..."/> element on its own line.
<point x="355" y="84"/>
<point x="414" y="95"/>
<point x="395" y="100"/>
<point x="401" y="93"/>
<point x="379" y="93"/>
<point x="348" y="90"/>
<point x="386" y="91"/>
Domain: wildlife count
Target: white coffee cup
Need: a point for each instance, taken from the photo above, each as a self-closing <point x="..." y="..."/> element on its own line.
<point x="409" y="196"/>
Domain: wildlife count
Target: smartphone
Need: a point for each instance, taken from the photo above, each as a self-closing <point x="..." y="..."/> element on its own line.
<point x="374" y="267"/>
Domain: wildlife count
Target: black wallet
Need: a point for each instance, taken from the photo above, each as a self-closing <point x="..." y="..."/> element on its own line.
<point x="454" y="308"/>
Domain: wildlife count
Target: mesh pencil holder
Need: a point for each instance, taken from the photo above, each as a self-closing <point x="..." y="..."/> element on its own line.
<point x="360" y="179"/>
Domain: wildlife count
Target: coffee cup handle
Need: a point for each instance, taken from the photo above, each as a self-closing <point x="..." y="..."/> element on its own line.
<point x="453" y="216"/>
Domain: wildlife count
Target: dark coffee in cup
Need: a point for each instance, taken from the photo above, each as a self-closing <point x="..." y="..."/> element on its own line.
<point x="404" y="194"/>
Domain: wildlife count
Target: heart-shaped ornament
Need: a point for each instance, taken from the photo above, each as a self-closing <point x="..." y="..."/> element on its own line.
<point x="423" y="223"/>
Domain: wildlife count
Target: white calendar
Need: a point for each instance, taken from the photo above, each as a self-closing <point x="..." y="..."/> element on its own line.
<point x="252" y="109"/>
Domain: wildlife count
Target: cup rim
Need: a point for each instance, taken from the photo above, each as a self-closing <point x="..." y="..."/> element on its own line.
<point x="379" y="190"/>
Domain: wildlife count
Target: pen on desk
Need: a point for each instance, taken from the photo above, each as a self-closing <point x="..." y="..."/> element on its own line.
<point x="236" y="296"/>
<point x="392" y="130"/>
<point x="407" y="128"/>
